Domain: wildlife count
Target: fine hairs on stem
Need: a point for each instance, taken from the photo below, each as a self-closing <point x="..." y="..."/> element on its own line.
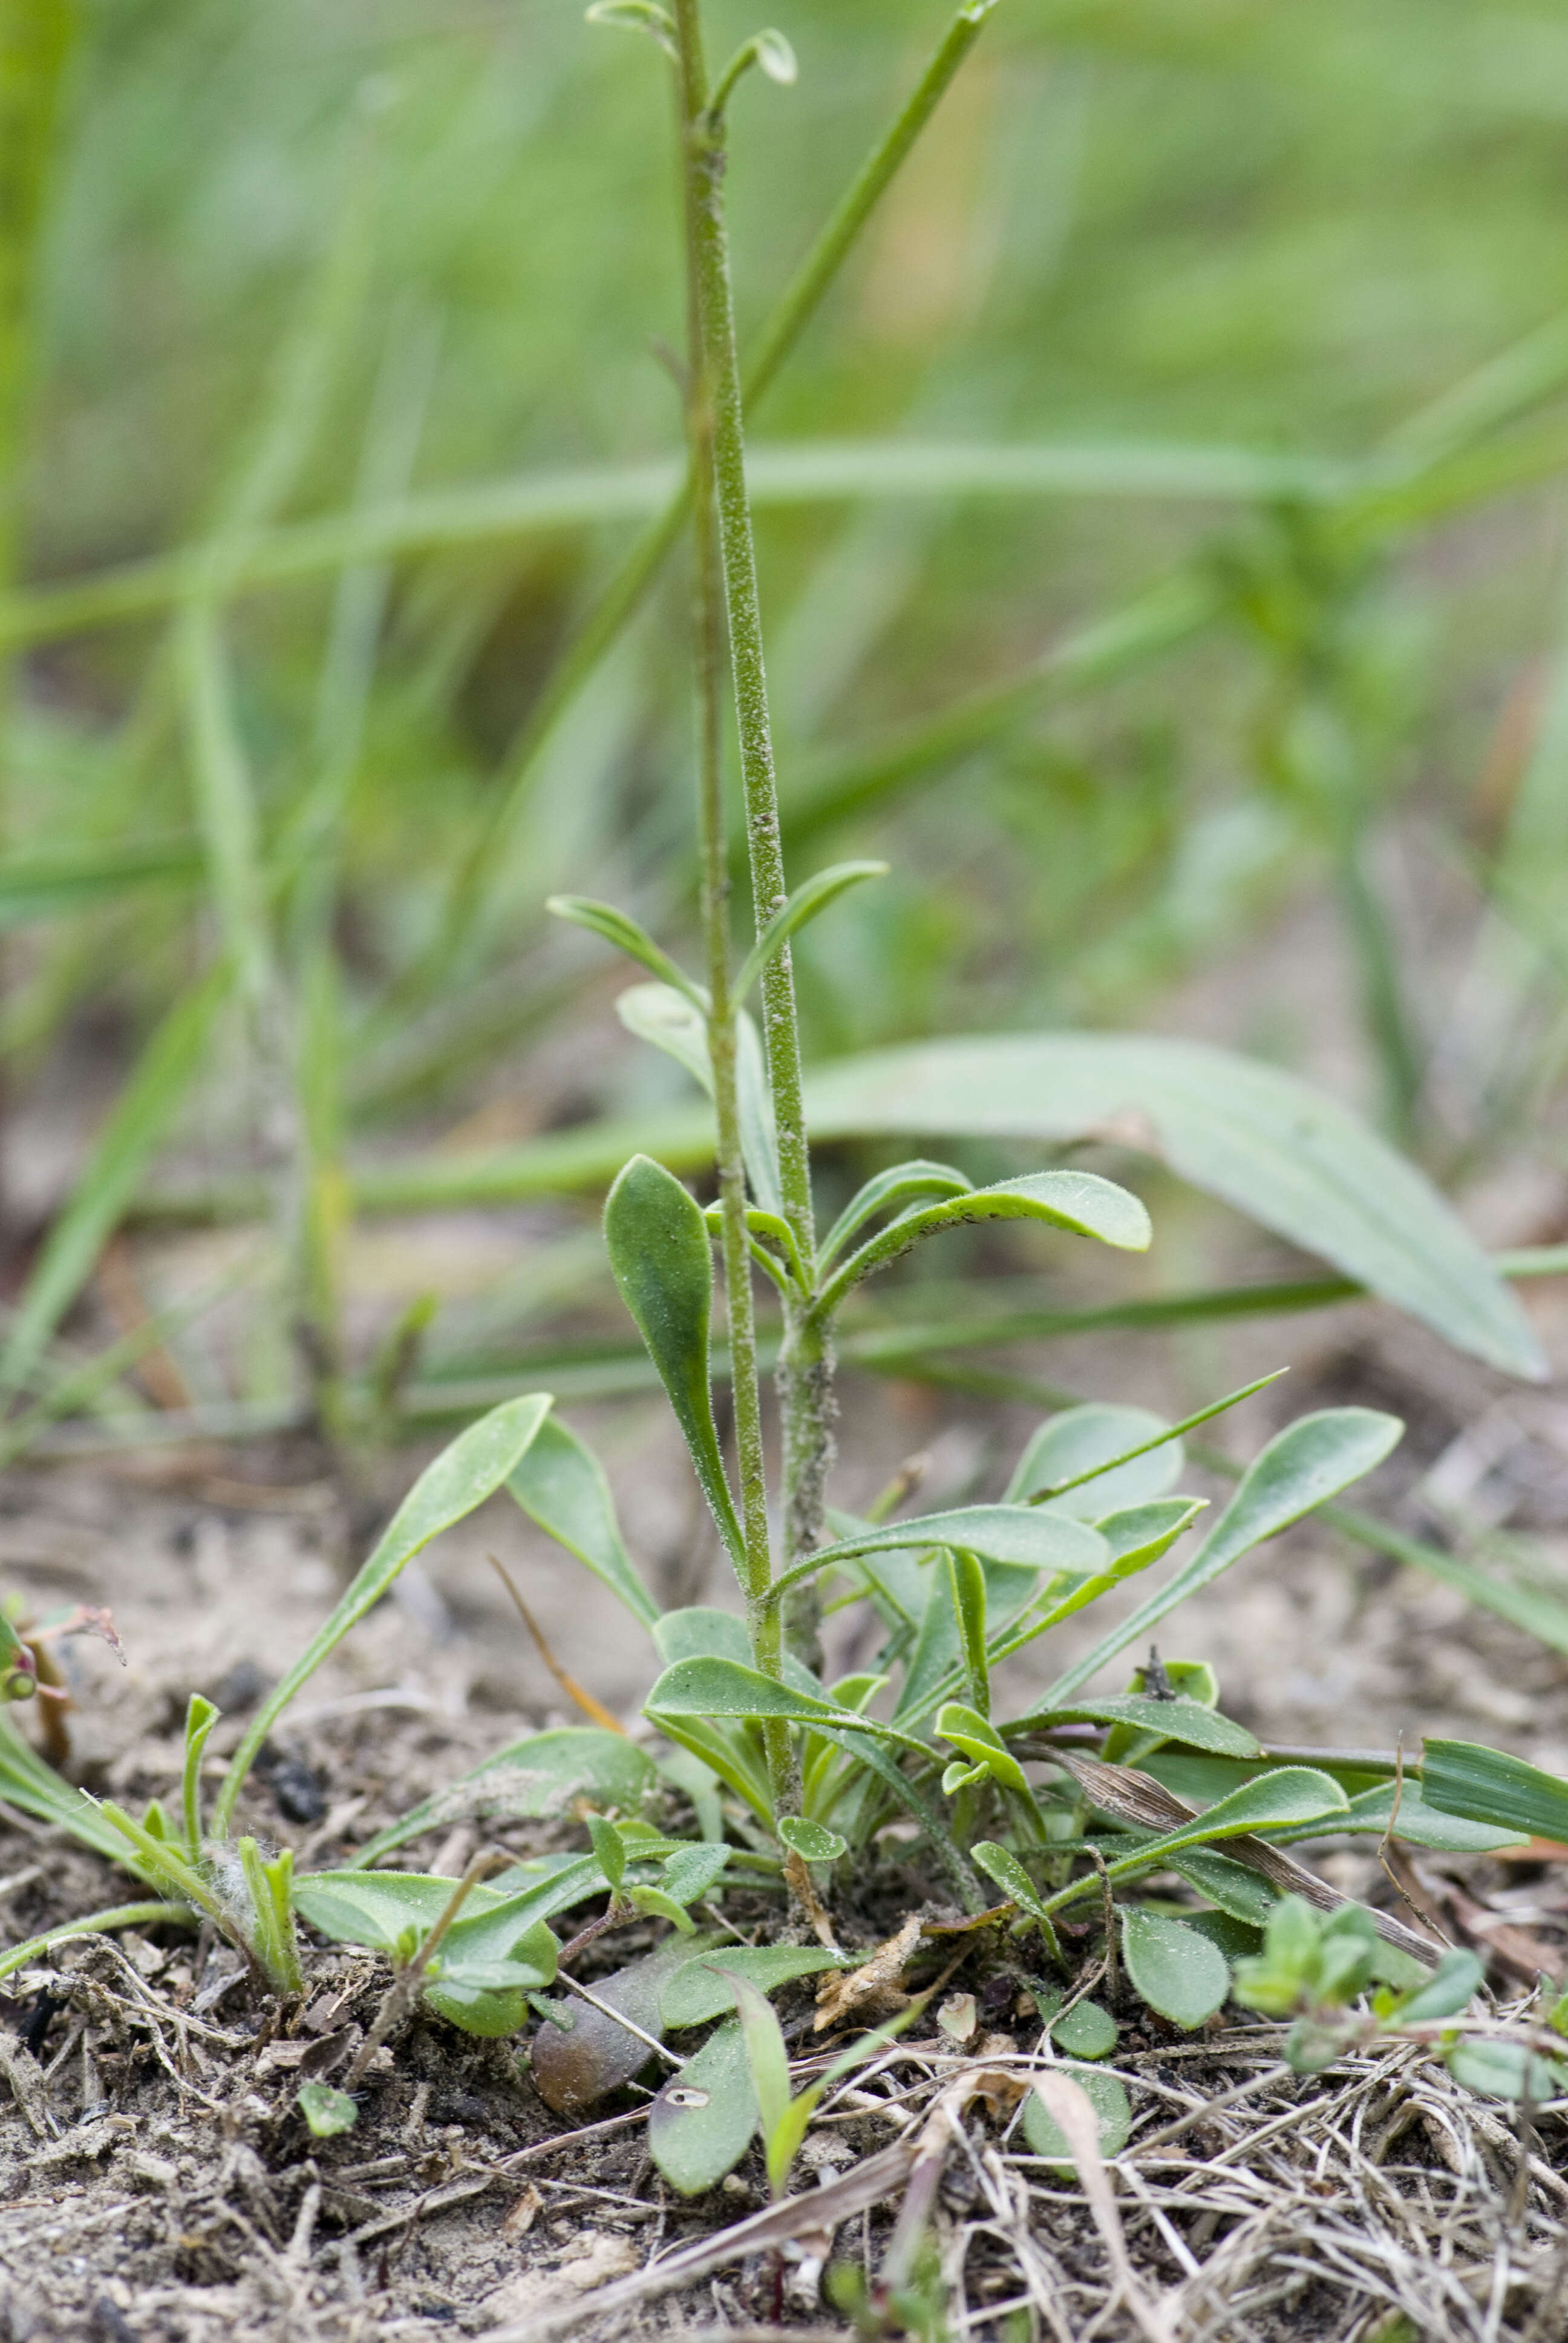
<point x="712" y="409"/>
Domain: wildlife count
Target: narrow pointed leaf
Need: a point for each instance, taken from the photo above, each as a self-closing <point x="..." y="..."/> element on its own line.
<point x="658" y="1014"/>
<point x="661" y="1254"/>
<point x="1311" y="1458"/>
<point x="619" y="927"/>
<point x="472" y="1468"/>
<point x="1487" y="1785"/>
<point x="1289" y="1794"/>
<point x="966" y="1582"/>
<point x="560" y="1484"/>
<point x="804" y="904"/>
<point x="1068" y="1446"/>
<point x="1178" y="1972"/>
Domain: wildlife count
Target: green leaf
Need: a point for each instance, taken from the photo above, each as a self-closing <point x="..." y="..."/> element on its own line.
<point x="702" y="1988"/>
<point x="478" y="2007"/>
<point x="1288" y="1793"/>
<point x="702" y="2122"/>
<point x="1451" y="1987"/>
<point x="1235" y="1889"/>
<point x="812" y="1842"/>
<point x="1371" y="1811"/>
<point x="692" y="1871"/>
<point x="608" y="1846"/>
<point x="1183" y="1721"/>
<point x="818" y="892"/>
<point x="1071" y="1446"/>
<point x="1079" y="1201"/>
<point x="898" y="1185"/>
<point x="1086" y="2032"/>
<point x="635" y="16"/>
<point x="1504" y="2070"/>
<point x="966" y="1583"/>
<point x="970" y="1733"/>
<point x="327" y="2112"/>
<point x="715" y="1688"/>
<point x="543" y="1774"/>
<point x="1486" y="1785"/>
<point x="560" y="1484"/>
<point x="769" y="2063"/>
<point x="619" y="929"/>
<point x="1280" y="1151"/>
<point x="1000" y="1863"/>
<point x="66" y="878"/>
<point x="1178" y="1972"/>
<point x="659" y="1252"/>
<point x="658" y="1014"/>
<point x="26" y="1781"/>
<point x="381" y="1909"/>
<point x="469" y="1470"/>
<point x="1311" y="1458"/>
<point x="136" y="1127"/>
<point x="1111" y="2113"/>
<point x="1015" y="1533"/>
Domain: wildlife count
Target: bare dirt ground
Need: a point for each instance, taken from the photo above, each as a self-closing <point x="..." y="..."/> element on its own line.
<point x="156" y="2180"/>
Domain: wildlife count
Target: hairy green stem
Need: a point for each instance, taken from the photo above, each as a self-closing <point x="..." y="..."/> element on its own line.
<point x="805" y="1372"/>
<point x="762" y="1616"/>
<point x="623" y="597"/>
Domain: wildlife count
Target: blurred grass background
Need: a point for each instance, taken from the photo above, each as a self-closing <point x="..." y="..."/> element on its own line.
<point x="293" y="260"/>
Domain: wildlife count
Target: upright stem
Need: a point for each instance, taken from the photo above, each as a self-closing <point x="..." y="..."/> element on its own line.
<point x="762" y="1617"/>
<point x="805" y="1381"/>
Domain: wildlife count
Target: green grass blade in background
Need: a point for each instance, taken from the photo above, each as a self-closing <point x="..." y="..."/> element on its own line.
<point x="35" y="886"/>
<point x="1278" y="1150"/>
<point x="136" y="1127"/>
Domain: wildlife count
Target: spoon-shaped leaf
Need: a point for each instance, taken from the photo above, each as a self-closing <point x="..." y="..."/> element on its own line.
<point x="1079" y="1201"/>
<point x="1289" y="1794"/>
<point x="1311" y="1458"/>
<point x="659" y="1252"/>
<point x="1178" y="1972"/>
<point x="469" y="1470"/>
<point x="1188" y="1722"/>
<point x="560" y="1484"/>
<point x="701" y="2124"/>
